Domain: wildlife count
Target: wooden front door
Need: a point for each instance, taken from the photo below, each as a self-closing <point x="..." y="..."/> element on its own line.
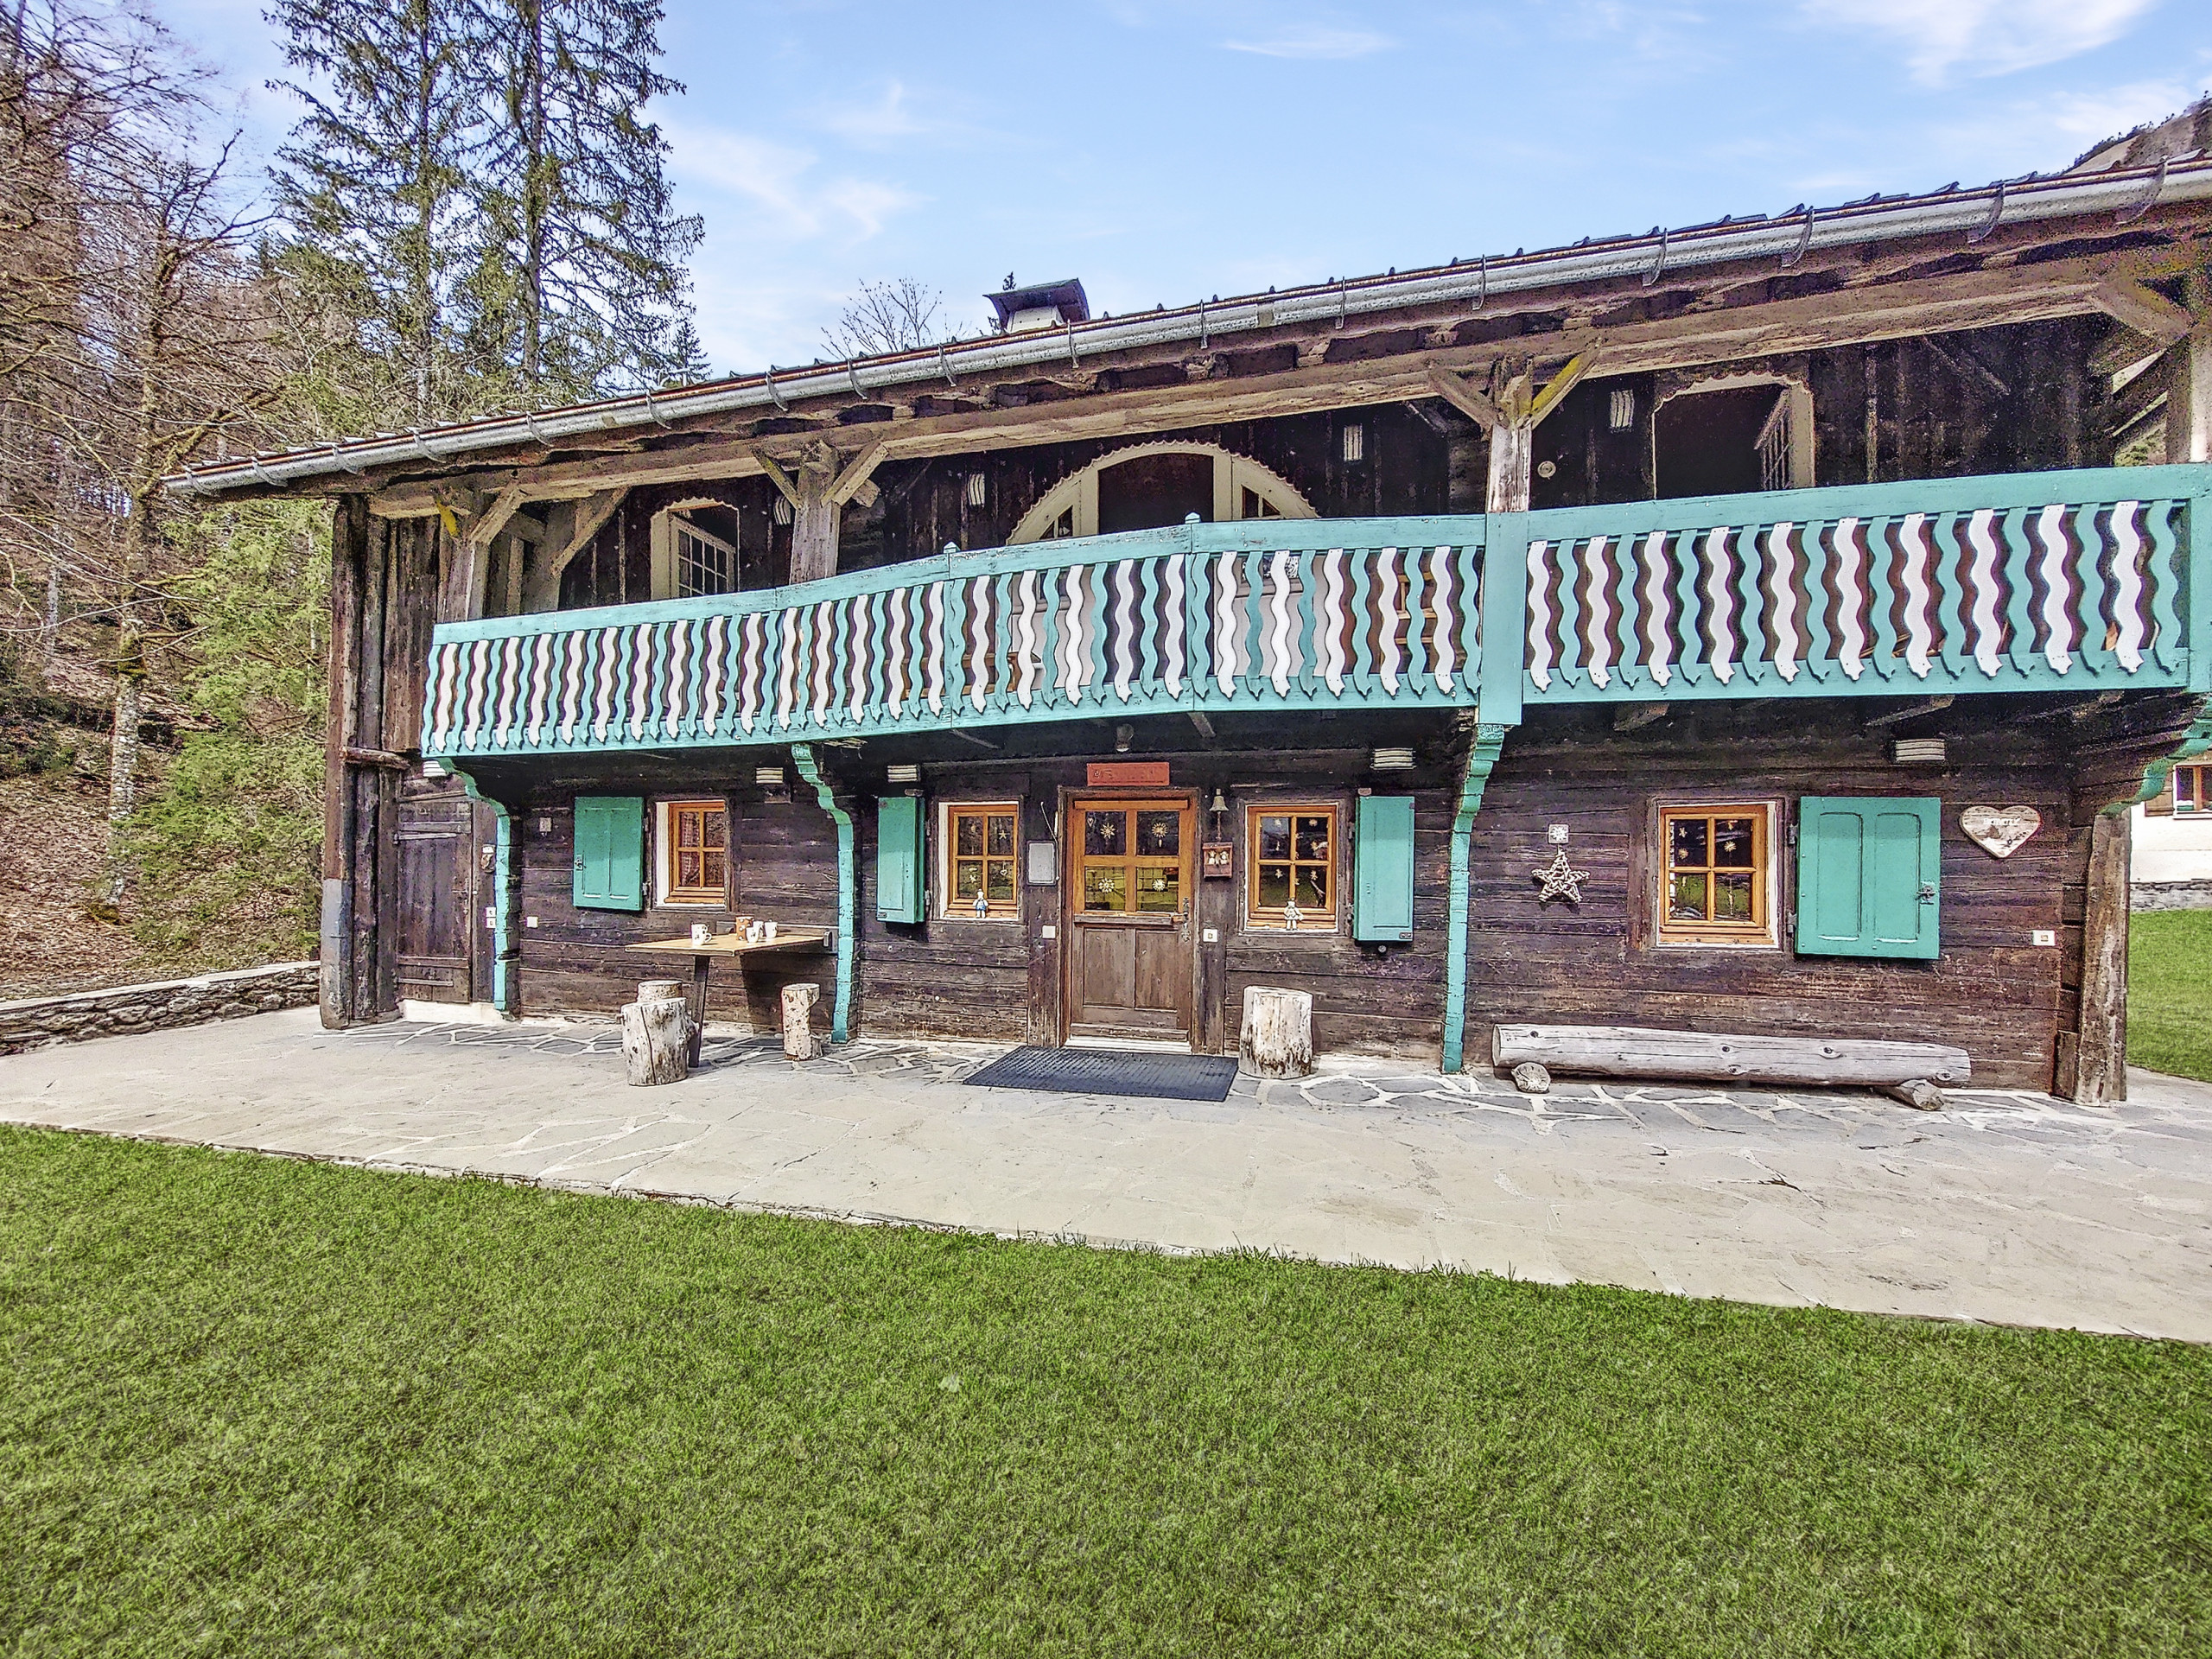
<point x="1130" y="864"/>
<point x="438" y="889"/>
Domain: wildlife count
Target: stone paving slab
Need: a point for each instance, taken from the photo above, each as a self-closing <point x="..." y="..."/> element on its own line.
<point x="2010" y="1207"/>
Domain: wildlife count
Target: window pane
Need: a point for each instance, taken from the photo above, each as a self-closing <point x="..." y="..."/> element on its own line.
<point x="1274" y="885"/>
<point x="1732" y="897"/>
<point x="717" y="872"/>
<point x="967" y="879"/>
<point x="717" y="829"/>
<point x="1731" y="843"/>
<point x="686" y="870"/>
<point x="967" y="836"/>
<point x="1312" y="887"/>
<point x="1275" y="839"/>
<point x="1159" y="834"/>
<point x="687" y="829"/>
<point x="1160" y="887"/>
<point x="1686" y="899"/>
<point x="1314" y="838"/>
<point x="2185" y="790"/>
<point x="1104" y="834"/>
<point x="1002" y="880"/>
<point x="1686" y="843"/>
<point x="1106" y="889"/>
<point x="1001" y="825"/>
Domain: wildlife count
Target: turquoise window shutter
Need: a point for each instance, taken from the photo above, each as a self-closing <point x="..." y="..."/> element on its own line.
<point x="1869" y="876"/>
<point x="1383" y="870"/>
<point x="900" y="889"/>
<point x="610" y="852"/>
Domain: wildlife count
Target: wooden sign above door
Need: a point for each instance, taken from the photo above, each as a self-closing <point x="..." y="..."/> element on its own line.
<point x="1126" y="774"/>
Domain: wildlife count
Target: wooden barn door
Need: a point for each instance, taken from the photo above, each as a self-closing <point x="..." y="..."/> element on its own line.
<point x="438" y="895"/>
<point x="1129" y="887"/>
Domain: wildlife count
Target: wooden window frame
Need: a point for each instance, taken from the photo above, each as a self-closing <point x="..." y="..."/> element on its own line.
<point x="1258" y="919"/>
<point x="1764" y="933"/>
<point x="666" y="893"/>
<point x="2197" y="773"/>
<point x="948" y="907"/>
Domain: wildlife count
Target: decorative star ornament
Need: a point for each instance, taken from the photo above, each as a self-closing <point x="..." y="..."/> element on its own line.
<point x="1560" y="880"/>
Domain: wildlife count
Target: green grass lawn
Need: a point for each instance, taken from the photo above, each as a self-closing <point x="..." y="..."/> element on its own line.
<point x="252" y="1406"/>
<point x="2169" y="992"/>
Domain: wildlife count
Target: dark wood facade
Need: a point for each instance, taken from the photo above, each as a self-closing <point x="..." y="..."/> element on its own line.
<point x="2020" y="349"/>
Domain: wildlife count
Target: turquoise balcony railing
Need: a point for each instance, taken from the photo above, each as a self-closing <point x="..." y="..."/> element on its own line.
<point x="2038" y="582"/>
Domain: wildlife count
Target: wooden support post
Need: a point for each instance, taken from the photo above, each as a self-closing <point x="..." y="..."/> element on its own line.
<point x="349" y="539"/>
<point x="1482" y="755"/>
<point x="803" y="760"/>
<point x="544" y="589"/>
<point x="1512" y="457"/>
<point x="2101" y="1052"/>
<point x="815" y="516"/>
<point x="2189" y="384"/>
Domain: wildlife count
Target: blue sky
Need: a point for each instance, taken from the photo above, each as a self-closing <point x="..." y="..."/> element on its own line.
<point x="1165" y="152"/>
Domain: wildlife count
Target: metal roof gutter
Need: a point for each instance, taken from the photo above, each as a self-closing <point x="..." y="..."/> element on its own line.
<point x="1975" y="213"/>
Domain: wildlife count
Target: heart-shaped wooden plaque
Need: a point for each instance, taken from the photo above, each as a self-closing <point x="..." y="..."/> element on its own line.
<point x="2001" y="831"/>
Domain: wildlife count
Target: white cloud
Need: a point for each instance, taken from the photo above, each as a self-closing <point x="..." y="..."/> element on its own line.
<point x="777" y="181"/>
<point x="890" y="117"/>
<point x="1314" y="41"/>
<point x="1984" y="37"/>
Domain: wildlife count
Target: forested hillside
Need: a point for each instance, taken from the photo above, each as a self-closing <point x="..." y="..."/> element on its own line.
<point x="472" y="215"/>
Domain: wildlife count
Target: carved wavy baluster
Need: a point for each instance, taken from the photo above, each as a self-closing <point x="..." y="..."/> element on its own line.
<point x="1715" y="568"/>
<point x="2166" y="579"/>
<point x="1786" y="610"/>
<point x="1915" y="573"/>
<point x="1121" y="626"/>
<point x="2131" y="601"/>
<point x="1594" y="599"/>
<point x="2093" y="625"/>
<point x="2054" y="574"/>
<point x="1539" y="654"/>
<point x="1443" y="587"/>
<point x="1985" y="607"/>
<point x="1174" y="620"/>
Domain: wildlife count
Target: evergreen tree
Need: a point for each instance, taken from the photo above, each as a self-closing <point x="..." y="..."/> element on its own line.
<point x="379" y="188"/>
<point x="585" y="262"/>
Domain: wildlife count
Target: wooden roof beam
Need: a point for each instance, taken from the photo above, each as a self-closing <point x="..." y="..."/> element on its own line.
<point x="2149" y="312"/>
<point x="1935" y="305"/>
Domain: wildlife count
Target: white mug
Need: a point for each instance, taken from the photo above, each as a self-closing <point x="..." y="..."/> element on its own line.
<point x="700" y="933"/>
<point x="771" y="933"/>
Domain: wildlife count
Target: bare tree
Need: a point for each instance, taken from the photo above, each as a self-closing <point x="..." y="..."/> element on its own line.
<point x="900" y="315"/>
<point x="137" y="333"/>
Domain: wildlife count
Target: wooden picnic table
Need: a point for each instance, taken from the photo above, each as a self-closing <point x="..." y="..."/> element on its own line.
<point x="727" y="944"/>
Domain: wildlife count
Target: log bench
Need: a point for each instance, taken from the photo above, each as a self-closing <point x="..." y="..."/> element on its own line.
<point x="1912" y="1072"/>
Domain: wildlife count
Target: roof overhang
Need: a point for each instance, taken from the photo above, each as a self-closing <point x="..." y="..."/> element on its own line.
<point x="2035" y="207"/>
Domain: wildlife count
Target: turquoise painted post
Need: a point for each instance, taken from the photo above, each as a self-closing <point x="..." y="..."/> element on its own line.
<point x="2199" y="554"/>
<point x="1505" y="617"/>
<point x="803" y="758"/>
<point x="502" y="841"/>
<point x="1482" y="755"/>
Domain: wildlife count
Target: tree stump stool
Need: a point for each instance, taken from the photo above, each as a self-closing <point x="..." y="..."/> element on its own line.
<point x="656" y="1040"/>
<point x="799" y="1030"/>
<point x="1276" y="1039"/>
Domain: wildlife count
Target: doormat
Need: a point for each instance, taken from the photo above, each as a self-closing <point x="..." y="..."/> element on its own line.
<point x="1109" y="1071"/>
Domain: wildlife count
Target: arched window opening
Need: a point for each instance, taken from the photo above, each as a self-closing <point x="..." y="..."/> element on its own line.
<point x="1733" y="437"/>
<point x="1151" y="485"/>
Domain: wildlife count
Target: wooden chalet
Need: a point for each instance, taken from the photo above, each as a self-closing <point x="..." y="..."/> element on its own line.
<point x="1620" y="634"/>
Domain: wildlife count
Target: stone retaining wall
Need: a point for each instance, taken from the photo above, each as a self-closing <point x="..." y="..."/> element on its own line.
<point x="2170" y="895"/>
<point x="38" y="1020"/>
